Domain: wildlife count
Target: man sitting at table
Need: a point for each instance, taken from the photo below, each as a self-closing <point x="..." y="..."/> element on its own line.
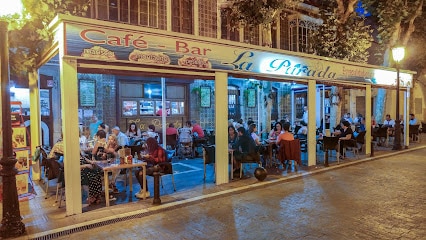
<point x="122" y="139"/>
<point x="390" y="123"/>
<point x="245" y="148"/>
<point x="287" y="135"/>
<point x="344" y="137"/>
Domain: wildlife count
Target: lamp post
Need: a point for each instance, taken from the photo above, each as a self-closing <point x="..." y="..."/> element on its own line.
<point x="397" y="55"/>
<point x="11" y="224"/>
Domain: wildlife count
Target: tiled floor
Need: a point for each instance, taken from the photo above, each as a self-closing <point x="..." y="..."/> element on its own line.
<point x="42" y="215"/>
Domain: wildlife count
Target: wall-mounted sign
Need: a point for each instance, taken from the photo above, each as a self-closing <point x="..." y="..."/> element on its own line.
<point x="87" y="93"/>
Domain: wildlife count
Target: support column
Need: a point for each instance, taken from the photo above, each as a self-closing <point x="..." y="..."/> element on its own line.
<point x="406" y="117"/>
<point x="169" y="15"/>
<point x="196" y="18"/>
<point x="35" y="119"/>
<point x="368" y="114"/>
<point x="312" y="155"/>
<point x="221" y="128"/>
<point x="69" y="106"/>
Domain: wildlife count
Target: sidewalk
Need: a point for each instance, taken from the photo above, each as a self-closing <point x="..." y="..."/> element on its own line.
<point x="44" y="220"/>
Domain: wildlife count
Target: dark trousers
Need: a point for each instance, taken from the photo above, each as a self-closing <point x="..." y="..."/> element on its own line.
<point x="138" y="175"/>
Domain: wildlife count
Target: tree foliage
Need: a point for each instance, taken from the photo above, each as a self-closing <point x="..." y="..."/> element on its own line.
<point x="31" y="38"/>
<point x="395" y="23"/>
<point x="343" y="34"/>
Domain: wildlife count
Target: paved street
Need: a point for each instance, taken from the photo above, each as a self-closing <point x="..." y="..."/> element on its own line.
<point x="380" y="199"/>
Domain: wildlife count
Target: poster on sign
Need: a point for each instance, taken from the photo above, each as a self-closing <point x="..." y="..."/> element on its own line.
<point x="19" y="137"/>
<point x="22" y="160"/>
<point x="22" y="183"/>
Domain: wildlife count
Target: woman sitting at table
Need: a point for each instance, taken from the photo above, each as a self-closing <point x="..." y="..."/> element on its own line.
<point x="111" y="151"/>
<point x="91" y="176"/>
<point x="99" y="151"/>
<point x="133" y="133"/>
<point x="286" y="135"/>
<point x="276" y="131"/>
<point x="232" y="137"/>
<point x="156" y="154"/>
<point x="345" y="135"/>
<point x="252" y="131"/>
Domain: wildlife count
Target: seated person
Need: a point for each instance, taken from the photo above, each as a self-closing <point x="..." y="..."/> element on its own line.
<point x="155" y="154"/>
<point x="360" y="127"/>
<point x="276" y="131"/>
<point x="92" y="177"/>
<point x="122" y="139"/>
<point x="111" y="150"/>
<point x="150" y="133"/>
<point x="345" y="135"/>
<point x="197" y="131"/>
<point x="303" y="130"/>
<point x="253" y="133"/>
<point x="99" y="150"/>
<point x="185" y="134"/>
<point x="413" y="120"/>
<point x="133" y="133"/>
<point x="245" y="148"/>
<point x="389" y="123"/>
<point x="287" y="135"/>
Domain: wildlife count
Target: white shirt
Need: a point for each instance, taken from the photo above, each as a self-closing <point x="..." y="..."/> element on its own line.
<point x="389" y="122"/>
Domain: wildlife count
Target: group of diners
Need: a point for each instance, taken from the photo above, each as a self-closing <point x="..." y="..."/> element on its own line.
<point x="104" y="145"/>
<point x="103" y="150"/>
<point x="246" y="143"/>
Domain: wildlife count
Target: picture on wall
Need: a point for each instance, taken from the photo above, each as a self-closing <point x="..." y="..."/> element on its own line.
<point x="87" y="93"/>
<point x="205" y="96"/>
<point x="251" y="97"/>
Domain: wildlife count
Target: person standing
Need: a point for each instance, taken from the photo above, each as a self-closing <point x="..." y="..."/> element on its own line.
<point x="93" y="126"/>
<point x="305" y="114"/>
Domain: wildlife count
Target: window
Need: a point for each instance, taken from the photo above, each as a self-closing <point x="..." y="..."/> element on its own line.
<point x="299" y="34"/>
<point x="144" y="99"/>
<point x="228" y="32"/>
<point x="137" y="12"/>
<point x="182" y="16"/>
<point x="234" y="111"/>
<point x="149" y="13"/>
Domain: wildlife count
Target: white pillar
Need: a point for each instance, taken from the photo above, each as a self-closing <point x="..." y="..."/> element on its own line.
<point x="35" y="119"/>
<point x="368" y="113"/>
<point x="164" y="112"/>
<point x="406" y="117"/>
<point x="312" y="155"/>
<point x="221" y="128"/>
<point x="69" y="105"/>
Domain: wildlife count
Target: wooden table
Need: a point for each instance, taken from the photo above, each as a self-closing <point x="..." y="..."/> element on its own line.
<point x="270" y="143"/>
<point x="108" y="167"/>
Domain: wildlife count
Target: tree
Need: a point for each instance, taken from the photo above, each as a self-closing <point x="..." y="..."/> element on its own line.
<point x="30" y="39"/>
<point x="395" y="26"/>
<point x="253" y="14"/>
<point x="343" y="35"/>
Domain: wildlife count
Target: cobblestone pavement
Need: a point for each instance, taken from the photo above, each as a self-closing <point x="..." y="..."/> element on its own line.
<point x="379" y="199"/>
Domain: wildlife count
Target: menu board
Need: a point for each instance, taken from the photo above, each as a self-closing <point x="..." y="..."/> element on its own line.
<point x="87" y="93"/>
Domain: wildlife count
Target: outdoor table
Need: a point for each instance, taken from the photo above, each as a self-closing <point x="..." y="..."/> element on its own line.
<point x="269" y="145"/>
<point x="327" y="146"/>
<point x="108" y="167"/>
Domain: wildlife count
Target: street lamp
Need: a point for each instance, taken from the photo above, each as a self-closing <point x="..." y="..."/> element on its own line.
<point x="11" y="224"/>
<point x="398" y="55"/>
